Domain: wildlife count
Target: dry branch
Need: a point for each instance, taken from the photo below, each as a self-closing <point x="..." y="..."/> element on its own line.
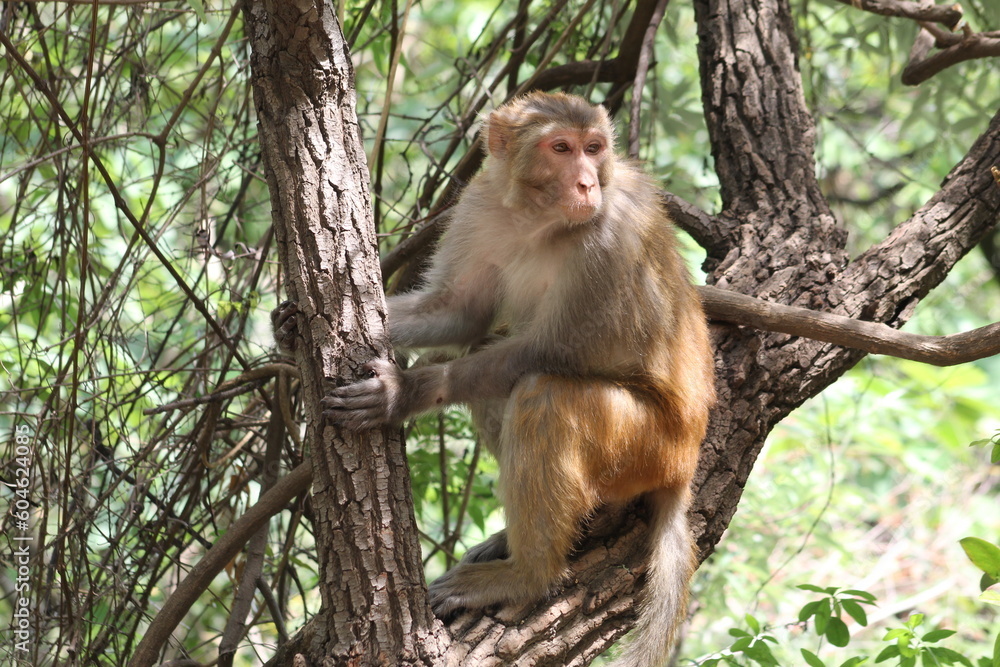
<point x="872" y="337"/>
<point x="955" y="48"/>
<point x="948" y="15"/>
<point x="223" y="551"/>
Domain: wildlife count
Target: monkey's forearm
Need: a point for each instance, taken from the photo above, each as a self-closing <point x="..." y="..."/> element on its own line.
<point x="487" y="374"/>
<point x="420" y="320"/>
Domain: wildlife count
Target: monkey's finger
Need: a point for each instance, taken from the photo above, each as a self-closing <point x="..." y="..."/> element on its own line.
<point x="284" y="311"/>
<point x="356" y="420"/>
<point x="355" y="402"/>
<point x="445" y="601"/>
<point x="363" y="388"/>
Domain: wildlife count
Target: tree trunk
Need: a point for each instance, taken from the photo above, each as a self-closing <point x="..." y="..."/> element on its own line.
<point x="776" y="239"/>
<point x="374" y="601"/>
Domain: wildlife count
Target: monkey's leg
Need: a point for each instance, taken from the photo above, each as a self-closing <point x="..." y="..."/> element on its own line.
<point x="545" y="494"/>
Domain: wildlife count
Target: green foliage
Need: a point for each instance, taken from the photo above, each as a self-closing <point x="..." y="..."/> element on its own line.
<point x="905" y="645"/>
<point x="986" y="557"/>
<point x="994" y="446"/>
<point x="826" y="612"/>
<point x="909" y="647"/>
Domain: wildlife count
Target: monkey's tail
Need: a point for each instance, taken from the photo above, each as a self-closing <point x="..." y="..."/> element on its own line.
<point x="671" y="566"/>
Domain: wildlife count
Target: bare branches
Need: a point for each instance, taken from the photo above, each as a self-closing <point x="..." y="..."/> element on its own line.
<point x="872" y="337"/>
<point x="948" y="15"/>
<point x="216" y="558"/>
<point x="642" y="68"/>
<point x="955" y="47"/>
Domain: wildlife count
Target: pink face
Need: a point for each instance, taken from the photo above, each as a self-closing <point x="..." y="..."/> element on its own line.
<point x="574" y="157"/>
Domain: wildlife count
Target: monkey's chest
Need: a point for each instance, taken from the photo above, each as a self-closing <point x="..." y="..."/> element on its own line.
<point x="528" y="283"/>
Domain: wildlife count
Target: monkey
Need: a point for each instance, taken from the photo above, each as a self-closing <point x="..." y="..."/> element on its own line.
<point x="599" y="391"/>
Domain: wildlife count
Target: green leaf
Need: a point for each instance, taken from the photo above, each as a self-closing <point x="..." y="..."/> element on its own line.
<point x="817" y="589"/>
<point x="888" y="653"/>
<point x="853" y="662"/>
<point x="837" y="632"/>
<point x="937" y="635"/>
<point x="822" y="620"/>
<point x="996" y="652"/>
<point x="753" y="623"/>
<point x="477" y="516"/>
<point x="864" y="595"/>
<point x="812" y="659"/>
<point x="741" y="644"/>
<point x="856" y="611"/>
<point x="948" y="656"/>
<point x="761" y="654"/>
<point x="991" y="595"/>
<point x="808" y="610"/>
<point x="983" y="555"/>
<point x="199" y="9"/>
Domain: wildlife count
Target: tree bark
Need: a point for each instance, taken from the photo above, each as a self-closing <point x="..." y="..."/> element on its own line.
<point x="777" y="239"/>
<point x="374" y="601"/>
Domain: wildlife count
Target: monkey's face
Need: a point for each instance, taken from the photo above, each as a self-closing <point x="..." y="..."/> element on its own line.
<point x="567" y="172"/>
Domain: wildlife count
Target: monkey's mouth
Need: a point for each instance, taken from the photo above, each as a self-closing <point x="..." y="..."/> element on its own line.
<point x="580" y="212"/>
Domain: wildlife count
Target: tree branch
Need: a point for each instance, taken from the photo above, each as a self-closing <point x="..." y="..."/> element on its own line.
<point x="223" y="551"/>
<point x="956" y="47"/>
<point x="948" y="15"/>
<point x="967" y="46"/>
<point x="871" y="337"/>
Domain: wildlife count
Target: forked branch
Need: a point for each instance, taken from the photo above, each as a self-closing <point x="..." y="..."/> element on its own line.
<point x="955" y="43"/>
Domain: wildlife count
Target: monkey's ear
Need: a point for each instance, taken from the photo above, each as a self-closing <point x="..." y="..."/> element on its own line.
<point x="498" y="132"/>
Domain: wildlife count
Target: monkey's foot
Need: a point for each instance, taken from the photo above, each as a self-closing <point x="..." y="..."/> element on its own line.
<point x="448" y="596"/>
<point x="472" y="585"/>
<point x="493" y="548"/>
<point x="285" y="325"/>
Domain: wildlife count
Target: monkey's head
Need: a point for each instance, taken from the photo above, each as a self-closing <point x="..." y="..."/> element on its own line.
<point x="556" y="153"/>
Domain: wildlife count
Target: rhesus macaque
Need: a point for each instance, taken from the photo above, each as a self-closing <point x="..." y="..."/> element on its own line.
<point x="601" y="389"/>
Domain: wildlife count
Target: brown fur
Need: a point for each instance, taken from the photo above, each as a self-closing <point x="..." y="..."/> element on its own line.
<point x="601" y="391"/>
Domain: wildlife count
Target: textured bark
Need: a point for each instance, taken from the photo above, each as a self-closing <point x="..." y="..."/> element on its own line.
<point x="374" y="604"/>
<point x="779" y="240"/>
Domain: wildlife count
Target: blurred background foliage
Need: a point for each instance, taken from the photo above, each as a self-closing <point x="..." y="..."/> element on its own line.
<point x="144" y="277"/>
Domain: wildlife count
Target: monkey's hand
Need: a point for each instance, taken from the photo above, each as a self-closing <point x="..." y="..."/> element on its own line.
<point x="369" y="403"/>
<point x="285" y="325"/>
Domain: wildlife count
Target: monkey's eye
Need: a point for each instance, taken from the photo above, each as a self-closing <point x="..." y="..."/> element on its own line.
<point x="561" y="147"/>
<point x="594" y="148"/>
